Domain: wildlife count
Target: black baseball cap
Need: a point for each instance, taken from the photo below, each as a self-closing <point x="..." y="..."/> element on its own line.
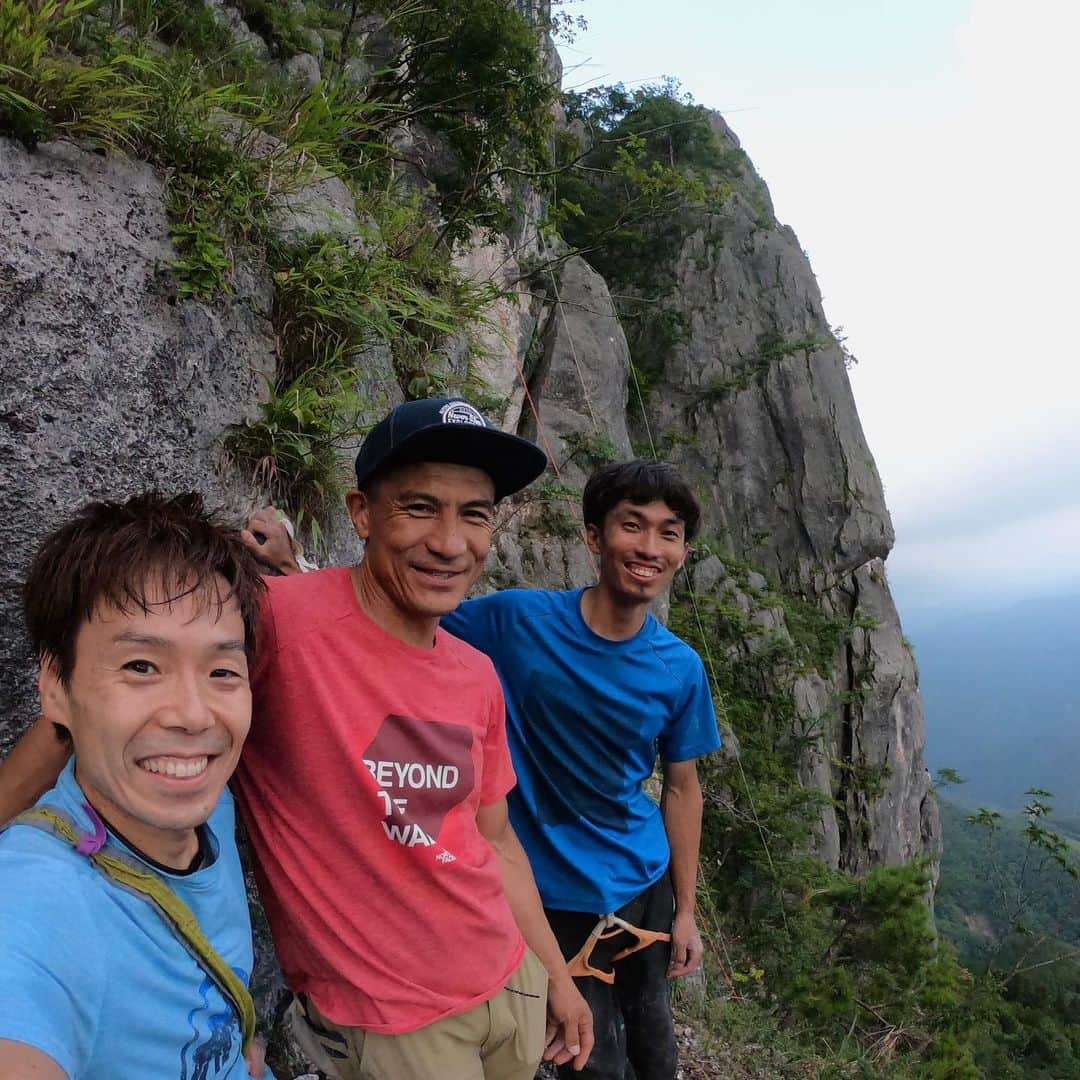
<point x="450" y="430"/>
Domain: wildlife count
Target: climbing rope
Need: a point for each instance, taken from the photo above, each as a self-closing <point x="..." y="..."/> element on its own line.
<point x="542" y="434"/>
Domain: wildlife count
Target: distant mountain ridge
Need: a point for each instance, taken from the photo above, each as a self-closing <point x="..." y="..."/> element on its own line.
<point x="1003" y="700"/>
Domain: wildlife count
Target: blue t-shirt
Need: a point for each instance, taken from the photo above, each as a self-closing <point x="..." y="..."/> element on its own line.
<point x="585" y="718"/>
<point x="91" y="975"/>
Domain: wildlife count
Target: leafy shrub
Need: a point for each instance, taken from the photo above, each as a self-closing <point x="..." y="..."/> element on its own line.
<point x="293" y="450"/>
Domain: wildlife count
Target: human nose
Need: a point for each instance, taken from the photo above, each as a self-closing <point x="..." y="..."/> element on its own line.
<point x="187" y="707"/>
<point x="648" y="544"/>
<point x="446" y="538"/>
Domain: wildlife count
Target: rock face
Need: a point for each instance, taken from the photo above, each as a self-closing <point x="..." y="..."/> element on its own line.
<point x="755" y="406"/>
<point x="109" y="383"/>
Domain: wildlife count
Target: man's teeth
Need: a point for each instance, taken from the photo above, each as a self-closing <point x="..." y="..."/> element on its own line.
<point x="170" y="766"/>
<point x="643" y="571"/>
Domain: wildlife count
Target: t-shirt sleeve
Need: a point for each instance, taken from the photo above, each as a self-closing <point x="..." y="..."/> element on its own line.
<point x="266" y="648"/>
<point x="692" y="730"/>
<point x="51" y="991"/>
<point x="499" y="777"/>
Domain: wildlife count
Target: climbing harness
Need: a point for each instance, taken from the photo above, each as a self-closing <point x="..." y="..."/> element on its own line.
<point x="125" y="873"/>
<point x="610" y="926"/>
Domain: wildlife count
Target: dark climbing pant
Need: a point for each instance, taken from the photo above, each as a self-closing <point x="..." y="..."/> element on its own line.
<point x="632" y="1018"/>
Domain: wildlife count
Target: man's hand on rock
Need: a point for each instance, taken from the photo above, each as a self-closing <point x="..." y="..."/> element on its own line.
<point x="267" y="538"/>
<point x="686" y="947"/>
<point x="569" y="1026"/>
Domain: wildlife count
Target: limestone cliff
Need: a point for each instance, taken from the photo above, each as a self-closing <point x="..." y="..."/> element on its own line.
<point x="112" y="380"/>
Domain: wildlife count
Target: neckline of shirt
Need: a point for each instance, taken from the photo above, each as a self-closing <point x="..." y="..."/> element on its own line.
<point x="437" y="653"/>
<point x="577" y="595"/>
<point x="208" y="854"/>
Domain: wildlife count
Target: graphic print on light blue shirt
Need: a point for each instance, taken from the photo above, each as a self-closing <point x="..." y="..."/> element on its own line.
<point x="92" y="976"/>
<point x="585" y="719"/>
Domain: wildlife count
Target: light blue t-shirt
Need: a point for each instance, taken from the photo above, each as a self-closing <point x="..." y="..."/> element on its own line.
<point x="90" y="973"/>
<point x="585" y="720"/>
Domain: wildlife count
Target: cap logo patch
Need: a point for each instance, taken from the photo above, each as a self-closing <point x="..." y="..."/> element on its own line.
<point x="461" y="412"/>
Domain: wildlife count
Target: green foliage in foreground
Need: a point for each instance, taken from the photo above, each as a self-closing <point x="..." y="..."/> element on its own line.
<point x="849" y="967"/>
<point x="1009" y="901"/>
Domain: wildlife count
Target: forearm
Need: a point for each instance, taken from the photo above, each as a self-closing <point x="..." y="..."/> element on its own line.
<point x="525" y="904"/>
<point x="681" y="806"/>
<point x="31" y="768"/>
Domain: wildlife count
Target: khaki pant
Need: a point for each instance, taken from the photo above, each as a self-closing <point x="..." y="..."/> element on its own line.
<point x="502" y="1039"/>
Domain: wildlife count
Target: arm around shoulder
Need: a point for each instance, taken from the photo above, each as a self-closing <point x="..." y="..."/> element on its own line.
<point x="31" y="768"/>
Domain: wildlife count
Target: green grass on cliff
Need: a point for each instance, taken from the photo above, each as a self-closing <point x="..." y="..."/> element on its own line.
<point x="231" y="135"/>
<point x="847" y="974"/>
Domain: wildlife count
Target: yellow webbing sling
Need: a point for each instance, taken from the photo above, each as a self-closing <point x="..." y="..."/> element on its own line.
<point x="173" y="910"/>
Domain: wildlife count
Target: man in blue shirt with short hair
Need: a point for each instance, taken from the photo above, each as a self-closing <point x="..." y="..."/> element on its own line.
<point x="595" y="689"/>
<point x="125" y="940"/>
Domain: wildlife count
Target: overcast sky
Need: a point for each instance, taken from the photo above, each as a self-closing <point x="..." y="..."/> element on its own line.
<point x="925" y="154"/>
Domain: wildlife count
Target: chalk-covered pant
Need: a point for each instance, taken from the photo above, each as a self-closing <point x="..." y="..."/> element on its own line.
<point x="632" y="1019"/>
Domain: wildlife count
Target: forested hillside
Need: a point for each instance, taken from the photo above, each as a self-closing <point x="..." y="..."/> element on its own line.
<point x="1009" y="900"/>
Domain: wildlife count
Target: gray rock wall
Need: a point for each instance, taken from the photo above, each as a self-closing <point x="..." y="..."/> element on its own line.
<point x="770" y="433"/>
<point x="108" y="382"/>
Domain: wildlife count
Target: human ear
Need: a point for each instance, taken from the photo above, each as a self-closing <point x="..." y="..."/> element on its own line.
<point x="55" y="706"/>
<point x="592" y="539"/>
<point x="682" y="559"/>
<point x="359" y="506"/>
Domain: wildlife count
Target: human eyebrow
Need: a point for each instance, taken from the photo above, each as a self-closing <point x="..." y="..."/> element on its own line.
<point x="133" y="637"/>
<point x="480" y="504"/>
<point x="416" y="496"/>
<point x="153" y="641"/>
<point x="231" y="646"/>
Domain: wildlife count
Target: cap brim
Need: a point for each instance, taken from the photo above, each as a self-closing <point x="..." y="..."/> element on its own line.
<point x="511" y="461"/>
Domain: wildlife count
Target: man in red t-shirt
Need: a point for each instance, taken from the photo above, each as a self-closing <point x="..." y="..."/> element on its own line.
<point x="373" y="783"/>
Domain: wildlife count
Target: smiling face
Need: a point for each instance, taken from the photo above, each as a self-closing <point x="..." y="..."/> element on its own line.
<point x="428" y="530"/>
<point x="158" y="705"/>
<point x="641" y="546"/>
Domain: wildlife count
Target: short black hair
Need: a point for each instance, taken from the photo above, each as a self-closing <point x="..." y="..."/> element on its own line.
<point x="110" y="552"/>
<point x="640" y="481"/>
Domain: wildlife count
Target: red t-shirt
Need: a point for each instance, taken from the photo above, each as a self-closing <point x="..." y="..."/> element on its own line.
<point x="359" y="786"/>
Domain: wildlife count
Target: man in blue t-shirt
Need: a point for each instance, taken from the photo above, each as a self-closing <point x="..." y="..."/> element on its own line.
<point x="595" y="688"/>
<point x="143" y="615"/>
